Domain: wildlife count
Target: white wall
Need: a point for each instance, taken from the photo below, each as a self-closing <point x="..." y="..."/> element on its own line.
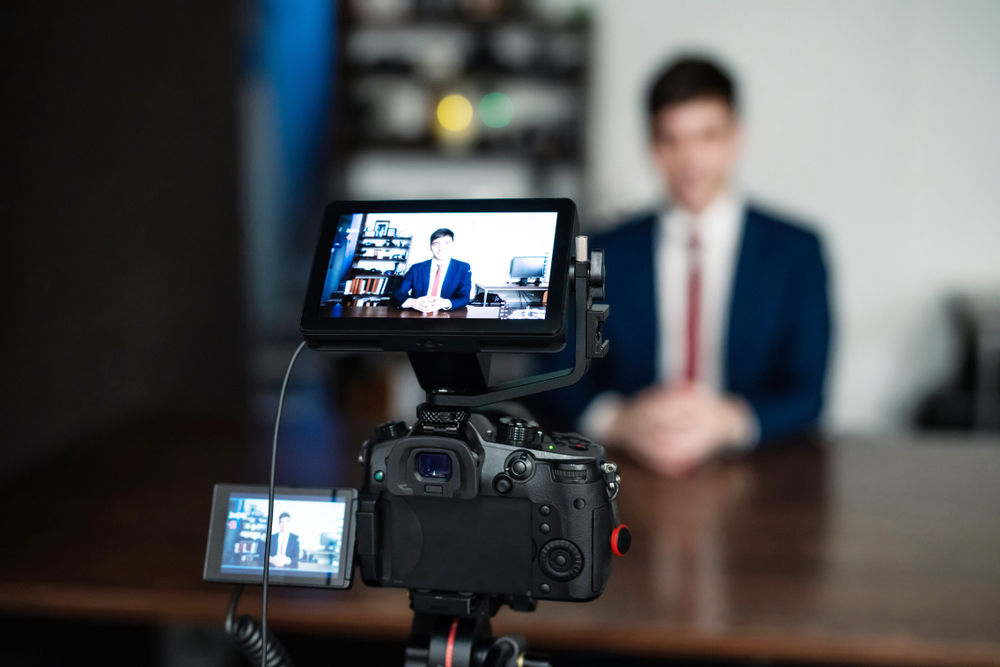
<point x="878" y="122"/>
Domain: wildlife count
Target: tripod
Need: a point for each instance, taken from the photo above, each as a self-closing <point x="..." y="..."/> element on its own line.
<point x="453" y="630"/>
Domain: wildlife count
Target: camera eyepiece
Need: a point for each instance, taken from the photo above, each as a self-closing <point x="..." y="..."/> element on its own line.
<point x="435" y="465"/>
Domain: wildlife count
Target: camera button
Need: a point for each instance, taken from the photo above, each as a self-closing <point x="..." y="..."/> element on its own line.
<point x="502" y="484"/>
<point x="561" y="560"/>
<point x="520" y="465"/>
<point x="544" y="528"/>
<point x="545" y="588"/>
<point x="544" y="510"/>
<point x="435" y="489"/>
<point x="579" y="503"/>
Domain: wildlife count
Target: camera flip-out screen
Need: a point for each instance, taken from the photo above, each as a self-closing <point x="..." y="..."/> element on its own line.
<point x="312" y="536"/>
<point x="462" y="275"/>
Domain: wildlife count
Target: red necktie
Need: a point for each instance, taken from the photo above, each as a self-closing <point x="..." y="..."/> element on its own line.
<point x="436" y="287"/>
<point x="693" y="308"/>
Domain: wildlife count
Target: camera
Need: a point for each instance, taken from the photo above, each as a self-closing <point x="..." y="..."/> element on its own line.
<point x="463" y="503"/>
<point x="471" y="507"/>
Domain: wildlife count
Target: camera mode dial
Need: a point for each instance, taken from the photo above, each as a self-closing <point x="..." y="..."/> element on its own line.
<point x="390" y="431"/>
<point x="518" y="432"/>
<point x="561" y="560"/>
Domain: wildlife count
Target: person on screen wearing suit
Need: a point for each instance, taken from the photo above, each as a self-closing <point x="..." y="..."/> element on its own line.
<point x="720" y="321"/>
<point x="284" y="544"/>
<point x="439" y="283"/>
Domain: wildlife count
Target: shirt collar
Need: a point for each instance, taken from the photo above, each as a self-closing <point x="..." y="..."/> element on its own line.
<point x="720" y="219"/>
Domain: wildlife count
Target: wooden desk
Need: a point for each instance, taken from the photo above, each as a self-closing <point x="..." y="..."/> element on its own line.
<point x="867" y="553"/>
<point x="466" y="312"/>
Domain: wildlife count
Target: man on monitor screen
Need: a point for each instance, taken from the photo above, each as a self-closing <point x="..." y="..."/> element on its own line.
<point x="284" y="544"/>
<point x="439" y="283"/>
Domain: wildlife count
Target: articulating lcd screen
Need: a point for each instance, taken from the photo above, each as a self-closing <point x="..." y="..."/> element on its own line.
<point x="486" y="265"/>
<point x="306" y="538"/>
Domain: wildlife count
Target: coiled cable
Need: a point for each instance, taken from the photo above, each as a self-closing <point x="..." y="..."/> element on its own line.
<point x="246" y="634"/>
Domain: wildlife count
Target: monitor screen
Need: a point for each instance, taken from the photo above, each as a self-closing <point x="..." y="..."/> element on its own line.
<point x="401" y="264"/>
<point x="388" y="274"/>
<point x="528" y="267"/>
<point x="308" y="538"/>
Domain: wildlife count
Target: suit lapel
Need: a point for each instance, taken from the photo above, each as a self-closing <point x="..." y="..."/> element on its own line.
<point x="745" y="296"/>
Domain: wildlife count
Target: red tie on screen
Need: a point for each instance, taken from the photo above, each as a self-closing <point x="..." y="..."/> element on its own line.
<point x="693" y="308"/>
<point x="436" y="287"/>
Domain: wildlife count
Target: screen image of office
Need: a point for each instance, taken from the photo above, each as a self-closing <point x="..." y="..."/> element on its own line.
<point x="499" y="263"/>
<point x="306" y="536"/>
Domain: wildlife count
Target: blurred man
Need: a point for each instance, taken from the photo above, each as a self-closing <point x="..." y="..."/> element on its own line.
<point x="284" y="544"/>
<point x="720" y="323"/>
<point x="440" y="283"/>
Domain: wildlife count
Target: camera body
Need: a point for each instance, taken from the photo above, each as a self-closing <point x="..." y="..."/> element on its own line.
<point x="462" y="503"/>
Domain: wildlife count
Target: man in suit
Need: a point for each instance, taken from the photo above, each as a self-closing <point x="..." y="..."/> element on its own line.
<point x="720" y="322"/>
<point x="284" y="544"/>
<point x="439" y="283"/>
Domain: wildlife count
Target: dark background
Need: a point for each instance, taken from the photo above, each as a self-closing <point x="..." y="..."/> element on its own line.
<point x="119" y="213"/>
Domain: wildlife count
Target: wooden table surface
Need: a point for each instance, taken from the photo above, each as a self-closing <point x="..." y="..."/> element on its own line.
<point x="855" y="552"/>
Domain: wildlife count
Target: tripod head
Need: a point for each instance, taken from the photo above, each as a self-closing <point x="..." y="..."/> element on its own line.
<point x="453" y="629"/>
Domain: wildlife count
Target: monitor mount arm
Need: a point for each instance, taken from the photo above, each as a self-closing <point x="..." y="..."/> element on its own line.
<point x="453" y="379"/>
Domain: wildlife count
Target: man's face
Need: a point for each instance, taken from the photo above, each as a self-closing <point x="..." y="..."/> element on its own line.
<point x="696" y="145"/>
<point x="441" y="248"/>
<point x="283" y="524"/>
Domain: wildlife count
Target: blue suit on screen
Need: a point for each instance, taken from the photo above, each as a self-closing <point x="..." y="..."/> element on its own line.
<point x="291" y="549"/>
<point x="778" y="333"/>
<point x="456" y="286"/>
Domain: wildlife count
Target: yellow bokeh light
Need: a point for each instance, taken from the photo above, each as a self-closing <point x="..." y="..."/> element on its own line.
<point x="454" y="112"/>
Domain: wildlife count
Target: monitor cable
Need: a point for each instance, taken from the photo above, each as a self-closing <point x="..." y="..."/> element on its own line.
<point x="248" y="636"/>
<point x="270" y="514"/>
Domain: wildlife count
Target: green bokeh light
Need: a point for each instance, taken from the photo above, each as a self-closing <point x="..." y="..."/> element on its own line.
<point x="496" y="110"/>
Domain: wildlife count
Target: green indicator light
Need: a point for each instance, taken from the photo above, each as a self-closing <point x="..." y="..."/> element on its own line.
<point x="551" y="447"/>
<point x="496" y="110"/>
<point x="379" y="475"/>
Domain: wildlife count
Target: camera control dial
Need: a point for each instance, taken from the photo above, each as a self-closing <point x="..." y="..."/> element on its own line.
<point x="520" y="465"/>
<point x="560" y="560"/>
<point x="518" y="432"/>
<point x="390" y="431"/>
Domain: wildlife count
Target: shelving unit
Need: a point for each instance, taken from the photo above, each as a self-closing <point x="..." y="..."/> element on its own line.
<point x="371" y="285"/>
<point x="398" y="64"/>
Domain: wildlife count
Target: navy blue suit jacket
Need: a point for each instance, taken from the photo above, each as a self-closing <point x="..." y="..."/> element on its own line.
<point x="456" y="286"/>
<point x="291" y="549"/>
<point x="779" y="324"/>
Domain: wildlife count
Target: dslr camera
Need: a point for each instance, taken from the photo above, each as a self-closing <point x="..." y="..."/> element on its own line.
<point x="471" y="506"/>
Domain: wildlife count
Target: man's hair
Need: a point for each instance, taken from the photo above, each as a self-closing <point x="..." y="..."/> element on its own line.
<point x="442" y="232"/>
<point x="284" y="515"/>
<point x="690" y="78"/>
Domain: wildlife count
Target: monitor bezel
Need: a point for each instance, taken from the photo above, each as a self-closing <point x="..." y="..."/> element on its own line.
<point x="433" y="334"/>
<point x="217" y="528"/>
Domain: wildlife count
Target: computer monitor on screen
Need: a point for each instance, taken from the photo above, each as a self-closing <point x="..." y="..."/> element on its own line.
<point x="524" y="268"/>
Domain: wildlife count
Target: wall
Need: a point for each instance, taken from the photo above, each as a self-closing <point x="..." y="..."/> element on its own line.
<point x="876" y="122"/>
<point x="122" y="278"/>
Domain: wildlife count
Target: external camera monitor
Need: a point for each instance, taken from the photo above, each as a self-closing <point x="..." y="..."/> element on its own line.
<point x="474" y="275"/>
<point x="312" y="536"/>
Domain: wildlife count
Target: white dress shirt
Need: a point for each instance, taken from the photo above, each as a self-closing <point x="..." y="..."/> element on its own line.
<point x="720" y="229"/>
<point x="282" y="544"/>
